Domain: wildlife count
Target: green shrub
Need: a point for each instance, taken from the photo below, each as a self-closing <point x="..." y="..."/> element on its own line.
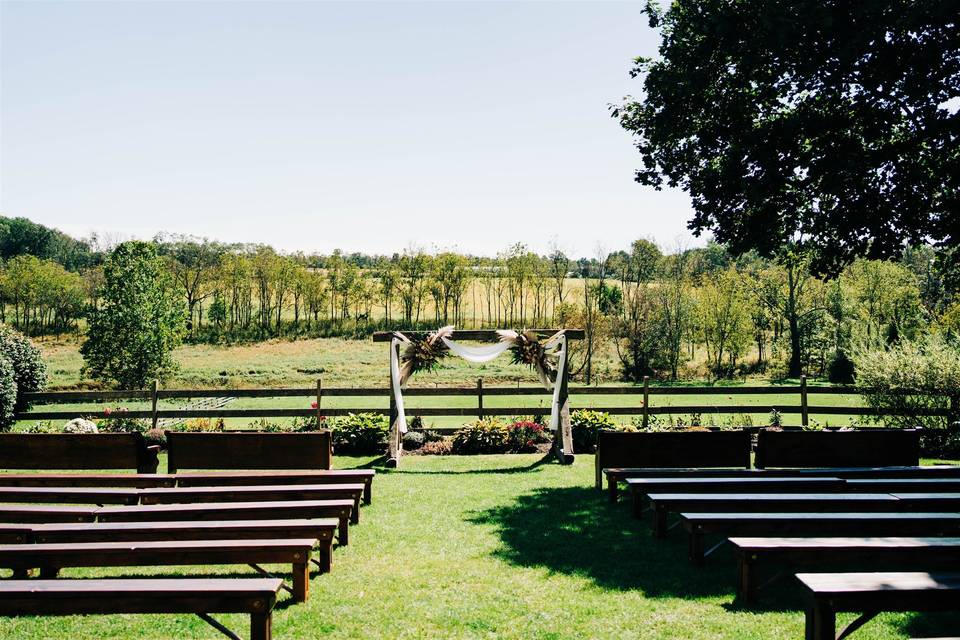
<point x="413" y="440"/>
<point x="488" y="435"/>
<point x="361" y="434"/>
<point x="585" y="425"/>
<point x="8" y="393"/>
<point x="902" y="382"/>
<point x="29" y="370"/>
<point x="841" y="369"/>
<point x="115" y="420"/>
<point x="523" y="436"/>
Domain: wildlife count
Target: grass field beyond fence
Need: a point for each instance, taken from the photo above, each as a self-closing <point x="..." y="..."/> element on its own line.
<point x="496" y="547"/>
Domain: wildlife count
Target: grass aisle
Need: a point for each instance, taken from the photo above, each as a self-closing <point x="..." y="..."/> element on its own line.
<point x="495" y="547"/>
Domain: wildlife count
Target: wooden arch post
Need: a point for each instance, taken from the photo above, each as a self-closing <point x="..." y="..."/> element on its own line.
<point x="563" y="437"/>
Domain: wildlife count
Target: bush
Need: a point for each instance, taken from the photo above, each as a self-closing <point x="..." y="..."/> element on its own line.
<point x="941" y="443"/>
<point x="841" y="369"/>
<point x="413" y="440"/>
<point x="911" y="377"/>
<point x="8" y="393"/>
<point x="361" y="434"/>
<point x="116" y="421"/>
<point x="488" y="435"/>
<point x="523" y="436"/>
<point x="585" y="425"/>
<point x="441" y="447"/>
<point x="29" y="370"/>
<point x="79" y="425"/>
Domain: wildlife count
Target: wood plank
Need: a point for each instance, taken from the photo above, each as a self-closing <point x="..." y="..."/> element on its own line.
<point x="261" y="493"/>
<point x="319" y="528"/>
<point x="735" y="524"/>
<point x="131" y="480"/>
<point x="68" y="495"/>
<point x="248" y="450"/>
<point x="75" y="451"/>
<point x="906" y="485"/>
<point x="234" y="511"/>
<point x="754" y="554"/>
<point x="279" y="476"/>
<point x="25" y="513"/>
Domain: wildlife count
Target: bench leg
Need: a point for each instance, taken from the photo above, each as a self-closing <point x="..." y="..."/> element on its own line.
<point x="301" y="581"/>
<point x="343" y="531"/>
<point x="368" y="491"/>
<point x="324" y="559"/>
<point x="821" y="622"/>
<point x="659" y="521"/>
<point x="746" y="578"/>
<point x="261" y="626"/>
<point x="21" y="574"/>
<point x="355" y="513"/>
<point x="695" y="547"/>
<point x="612" y="487"/>
<point x="49" y="573"/>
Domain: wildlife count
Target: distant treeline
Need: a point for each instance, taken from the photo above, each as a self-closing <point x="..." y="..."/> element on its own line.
<point x="690" y="312"/>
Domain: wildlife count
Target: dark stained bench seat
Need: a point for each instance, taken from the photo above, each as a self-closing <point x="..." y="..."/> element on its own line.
<point x="699" y="525"/>
<point x="31" y="513"/>
<point x="264" y="493"/>
<point x="69" y="495"/>
<point x="904" y="485"/>
<point x="69" y="451"/>
<point x="51" y="557"/>
<point x="340" y="509"/>
<point x="254" y="596"/>
<point x="822" y="553"/>
<point x="640" y="487"/>
<point x="129" y="480"/>
<point x="12" y="533"/>
<point x="319" y="529"/>
<point x="871" y="593"/>
<point x="663" y="504"/>
<point x="279" y="477"/>
<point x="616" y="475"/>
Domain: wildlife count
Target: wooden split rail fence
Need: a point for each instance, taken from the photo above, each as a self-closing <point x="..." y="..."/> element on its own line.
<point x="644" y="405"/>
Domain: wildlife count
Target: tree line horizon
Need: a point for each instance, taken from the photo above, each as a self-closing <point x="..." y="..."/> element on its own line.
<point x="701" y="310"/>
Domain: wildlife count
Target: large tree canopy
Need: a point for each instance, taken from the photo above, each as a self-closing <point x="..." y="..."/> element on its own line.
<point x="832" y="124"/>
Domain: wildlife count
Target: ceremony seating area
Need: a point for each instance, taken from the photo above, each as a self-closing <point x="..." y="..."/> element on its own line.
<point x="835" y="503"/>
<point x="278" y="503"/>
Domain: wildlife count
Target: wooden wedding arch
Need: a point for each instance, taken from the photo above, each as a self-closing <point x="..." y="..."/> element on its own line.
<point x="563" y="435"/>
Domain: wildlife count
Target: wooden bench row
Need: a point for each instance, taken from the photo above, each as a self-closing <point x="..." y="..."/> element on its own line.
<point x="621" y="455"/>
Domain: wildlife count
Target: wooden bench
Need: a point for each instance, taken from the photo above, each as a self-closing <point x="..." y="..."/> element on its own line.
<point x="51" y="557"/>
<point x="29" y="513"/>
<point x="861" y="448"/>
<point x="640" y="487"/>
<point x="664" y="503"/>
<point x="254" y="596"/>
<point x="340" y="509"/>
<point x="77" y="451"/>
<point x="871" y="593"/>
<point x="668" y="449"/>
<point x="319" y="529"/>
<point x="128" y="480"/>
<point x="253" y="477"/>
<point x="873" y="553"/>
<point x="248" y="450"/>
<point x="903" y="485"/>
<point x="265" y="493"/>
<point x="14" y="533"/>
<point x="69" y="495"/>
<point x="699" y="525"/>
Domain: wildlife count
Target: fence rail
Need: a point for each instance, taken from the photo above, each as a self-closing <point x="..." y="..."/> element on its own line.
<point x="643" y="407"/>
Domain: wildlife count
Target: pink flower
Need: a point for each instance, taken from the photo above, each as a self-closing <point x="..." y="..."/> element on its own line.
<point x="107" y="411"/>
<point x="313" y="405"/>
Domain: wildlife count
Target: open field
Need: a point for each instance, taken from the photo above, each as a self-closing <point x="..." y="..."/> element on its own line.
<point x="344" y="363"/>
<point x="505" y="547"/>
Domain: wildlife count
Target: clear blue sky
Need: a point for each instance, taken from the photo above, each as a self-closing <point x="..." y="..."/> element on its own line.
<point x="316" y="125"/>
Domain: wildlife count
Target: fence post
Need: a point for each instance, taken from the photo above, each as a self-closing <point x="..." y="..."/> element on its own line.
<point x="646" y="399"/>
<point x="480" y="398"/>
<point x="319" y="397"/>
<point x="153" y="403"/>
<point x="804" y="417"/>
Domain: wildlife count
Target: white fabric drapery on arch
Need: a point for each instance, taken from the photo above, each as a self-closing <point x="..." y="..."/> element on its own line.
<point x="556" y="346"/>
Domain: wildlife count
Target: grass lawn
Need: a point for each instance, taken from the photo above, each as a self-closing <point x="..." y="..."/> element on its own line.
<point x="497" y="547"/>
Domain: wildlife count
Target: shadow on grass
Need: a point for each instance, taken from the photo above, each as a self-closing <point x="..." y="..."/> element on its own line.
<point x="931" y="625"/>
<point x="574" y="530"/>
<point x="534" y="466"/>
